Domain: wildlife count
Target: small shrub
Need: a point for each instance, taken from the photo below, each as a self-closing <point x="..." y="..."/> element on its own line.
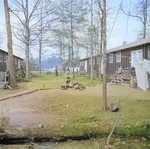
<point x="33" y="75"/>
<point x="26" y="80"/>
<point x="48" y="73"/>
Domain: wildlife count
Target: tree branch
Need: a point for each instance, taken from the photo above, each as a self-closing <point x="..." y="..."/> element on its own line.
<point x="131" y="15"/>
<point x="112" y="132"/>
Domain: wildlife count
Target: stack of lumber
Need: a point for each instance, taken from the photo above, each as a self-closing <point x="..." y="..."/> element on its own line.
<point x="123" y="77"/>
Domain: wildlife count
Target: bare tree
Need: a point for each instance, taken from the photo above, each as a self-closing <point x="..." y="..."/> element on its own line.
<point x="140" y="11"/>
<point x="28" y="20"/>
<point x="103" y="44"/>
<point x="104" y="105"/>
<point x="90" y="36"/>
<point x="70" y="16"/>
<point x="101" y="15"/>
<point x="11" y="62"/>
<point x="43" y="28"/>
<point x="91" y="42"/>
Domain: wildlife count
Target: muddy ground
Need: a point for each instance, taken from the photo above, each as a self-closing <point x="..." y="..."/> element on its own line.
<point x="43" y="113"/>
<point x="29" y="109"/>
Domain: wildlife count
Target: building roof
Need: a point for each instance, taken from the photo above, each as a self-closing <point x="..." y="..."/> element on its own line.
<point x="94" y="55"/>
<point x="125" y="46"/>
<point x="30" y="63"/>
<point x="13" y="54"/>
<point x="61" y="64"/>
<point x="130" y="45"/>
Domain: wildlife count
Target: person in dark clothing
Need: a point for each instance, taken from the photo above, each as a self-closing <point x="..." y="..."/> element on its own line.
<point x="56" y="72"/>
<point x="7" y="76"/>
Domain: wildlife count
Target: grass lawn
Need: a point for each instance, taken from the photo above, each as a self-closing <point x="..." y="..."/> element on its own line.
<point x="52" y="81"/>
<point x="85" y="117"/>
<point x="82" y="113"/>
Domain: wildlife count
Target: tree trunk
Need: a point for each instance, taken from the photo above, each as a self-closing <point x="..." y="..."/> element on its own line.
<point x="40" y="48"/>
<point x="72" y="44"/>
<point x="91" y="42"/>
<point x="100" y="72"/>
<point x="27" y="57"/>
<point x="104" y="104"/>
<point x="91" y="69"/>
<point x="69" y="56"/>
<point x="145" y="20"/>
<point x="101" y="47"/>
<point x="40" y="43"/>
<point x="11" y="61"/>
<point x="72" y="51"/>
<point x="27" y="43"/>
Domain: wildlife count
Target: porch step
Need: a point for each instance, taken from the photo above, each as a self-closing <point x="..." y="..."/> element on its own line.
<point x="2" y="84"/>
<point x="116" y="81"/>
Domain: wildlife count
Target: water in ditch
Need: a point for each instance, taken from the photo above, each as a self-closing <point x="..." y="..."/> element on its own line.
<point x="116" y="142"/>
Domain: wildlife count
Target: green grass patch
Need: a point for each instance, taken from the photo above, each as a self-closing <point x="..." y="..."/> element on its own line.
<point x="48" y="81"/>
<point x="116" y="142"/>
<point x="80" y="112"/>
<point x="84" y="116"/>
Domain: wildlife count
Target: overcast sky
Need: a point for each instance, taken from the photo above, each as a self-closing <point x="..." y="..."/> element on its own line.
<point x="121" y="32"/>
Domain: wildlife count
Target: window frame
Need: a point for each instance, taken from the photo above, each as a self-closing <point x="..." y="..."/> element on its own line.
<point x="149" y="53"/>
<point x="138" y="56"/>
<point x="93" y="61"/>
<point x="82" y="63"/>
<point x="90" y="61"/>
<point x="15" y="60"/>
<point x="97" y="60"/>
<point x="111" y="58"/>
<point x="19" y="63"/>
<point x="5" y="57"/>
<point x="1" y="56"/>
<point x="118" y="56"/>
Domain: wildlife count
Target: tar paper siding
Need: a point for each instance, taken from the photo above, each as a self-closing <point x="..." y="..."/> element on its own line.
<point x="3" y="63"/>
<point x="82" y="65"/>
<point x="62" y="67"/>
<point x="88" y="69"/>
<point x="126" y="58"/>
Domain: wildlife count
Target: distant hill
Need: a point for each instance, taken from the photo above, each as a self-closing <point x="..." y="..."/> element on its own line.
<point x="47" y="63"/>
<point x="50" y="62"/>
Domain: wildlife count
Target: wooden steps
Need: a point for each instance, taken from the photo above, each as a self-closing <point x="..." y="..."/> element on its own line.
<point x="3" y="85"/>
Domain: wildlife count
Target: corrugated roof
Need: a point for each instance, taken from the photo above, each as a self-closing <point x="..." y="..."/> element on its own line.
<point x="126" y="46"/>
<point x="3" y="50"/>
<point x="13" y="54"/>
<point x="61" y="64"/>
<point x="88" y="57"/>
<point x="130" y="45"/>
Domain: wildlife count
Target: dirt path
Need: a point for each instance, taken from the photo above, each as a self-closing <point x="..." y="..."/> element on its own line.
<point x="47" y="110"/>
<point x="26" y="112"/>
<point x="26" y="108"/>
<point x="31" y="107"/>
